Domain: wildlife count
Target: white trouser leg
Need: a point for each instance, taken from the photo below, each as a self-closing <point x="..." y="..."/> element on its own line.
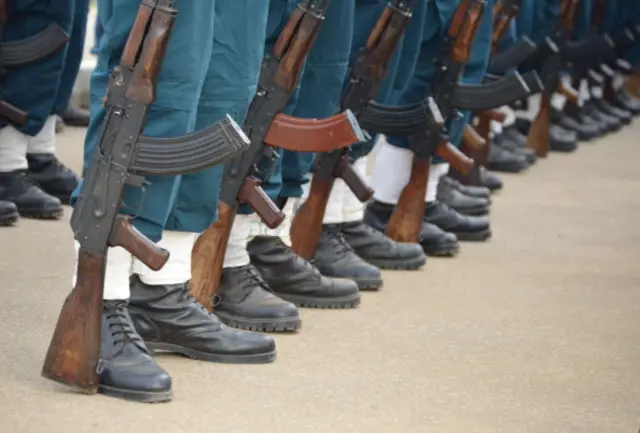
<point x="496" y="127"/>
<point x="236" y="254"/>
<point x="118" y="270"/>
<point x="532" y="111"/>
<point x="45" y="141"/>
<point x="352" y="208"/>
<point x="583" y="91"/>
<point x="333" y="212"/>
<point x="391" y="172"/>
<point x="435" y="173"/>
<point x="259" y="228"/>
<point x="177" y="270"/>
<point x="13" y="150"/>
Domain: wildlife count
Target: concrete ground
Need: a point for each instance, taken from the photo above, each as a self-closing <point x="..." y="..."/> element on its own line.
<point x="536" y="331"/>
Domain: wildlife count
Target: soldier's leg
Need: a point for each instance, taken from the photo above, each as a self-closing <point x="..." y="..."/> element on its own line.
<point x="33" y="89"/>
<point x="129" y="371"/>
<point x="369" y="244"/>
<point x="287" y="275"/>
<point x="45" y="169"/>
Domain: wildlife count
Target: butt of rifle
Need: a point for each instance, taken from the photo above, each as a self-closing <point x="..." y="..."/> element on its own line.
<point x="539" y="136"/>
<point x="306" y="226"/>
<point x="74" y="351"/>
<point x="406" y="220"/>
<point x="314" y="135"/>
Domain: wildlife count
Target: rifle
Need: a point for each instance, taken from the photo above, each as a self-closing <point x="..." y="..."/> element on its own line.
<point x="552" y="52"/>
<point x="503" y="13"/>
<point x="365" y="76"/>
<point x="23" y="53"/>
<point x="406" y="220"/>
<point x="267" y="128"/>
<point x="124" y="157"/>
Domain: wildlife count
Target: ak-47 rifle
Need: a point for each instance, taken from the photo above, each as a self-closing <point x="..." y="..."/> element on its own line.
<point x="267" y="129"/>
<point x="22" y="53"/>
<point x="366" y="75"/>
<point x="406" y="220"/>
<point x="552" y="53"/>
<point x="494" y="93"/>
<point x="124" y="157"/>
<point x="476" y="140"/>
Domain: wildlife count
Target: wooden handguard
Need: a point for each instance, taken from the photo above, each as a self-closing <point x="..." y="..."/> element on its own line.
<point x="313" y="135"/>
<point x="468" y="11"/>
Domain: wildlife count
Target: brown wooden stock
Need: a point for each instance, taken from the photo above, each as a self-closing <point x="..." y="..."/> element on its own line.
<point x="129" y="238"/>
<point x="142" y="88"/>
<point x="458" y="160"/>
<point x="539" y="134"/>
<point x="74" y="350"/>
<point x="136" y="36"/>
<point x="405" y="223"/>
<point x="207" y="256"/>
<point x="474" y="146"/>
<point x="483" y="129"/>
<point x="632" y="84"/>
<point x="464" y="34"/>
<point x="252" y="194"/>
<point x="12" y="113"/>
<point x="311" y="135"/>
<point x="307" y="223"/>
<point x="472" y="138"/>
<point x="568" y="92"/>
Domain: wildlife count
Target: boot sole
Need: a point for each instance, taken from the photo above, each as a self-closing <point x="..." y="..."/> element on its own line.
<point x="260" y="325"/>
<point x="405" y="264"/>
<point x="450" y="250"/>
<point x="474" y="237"/>
<point x="9" y="220"/>
<point x="257" y="358"/>
<point x="342" y="303"/>
<point x="367" y="284"/>
<point x="137" y="396"/>
<point x="54" y="214"/>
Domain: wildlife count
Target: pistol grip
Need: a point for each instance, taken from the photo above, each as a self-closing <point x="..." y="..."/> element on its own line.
<point x="354" y="181"/>
<point x="458" y="160"/>
<point x="252" y="194"/>
<point x="129" y="238"/>
<point x="13" y="114"/>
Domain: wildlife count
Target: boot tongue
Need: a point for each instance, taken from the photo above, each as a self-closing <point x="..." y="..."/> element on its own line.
<point x="125" y="339"/>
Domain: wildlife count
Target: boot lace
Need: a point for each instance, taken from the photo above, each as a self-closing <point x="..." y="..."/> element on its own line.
<point x="251" y="278"/>
<point x="339" y="244"/>
<point x="119" y="325"/>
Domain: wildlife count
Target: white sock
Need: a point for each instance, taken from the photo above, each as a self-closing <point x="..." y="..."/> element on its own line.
<point x="118" y="270"/>
<point x="352" y="208"/>
<point x="333" y="212"/>
<point x="177" y="270"/>
<point x="435" y="173"/>
<point x="13" y="149"/>
<point x="597" y="92"/>
<point x="391" y="172"/>
<point x="243" y="228"/>
<point x="532" y="111"/>
<point x="583" y="91"/>
<point x="45" y="141"/>
<point x="558" y="100"/>
<point x="618" y="81"/>
<point x="510" y="118"/>
<point x="259" y="228"/>
<point x="496" y="127"/>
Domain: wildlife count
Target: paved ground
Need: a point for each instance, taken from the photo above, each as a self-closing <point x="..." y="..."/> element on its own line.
<point x="536" y="331"/>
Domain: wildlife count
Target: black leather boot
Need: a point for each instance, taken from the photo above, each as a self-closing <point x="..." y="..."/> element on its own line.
<point x="30" y="200"/>
<point x="504" y="161"/>
<point x="466" y="228"/>
<point x="295" y="280"/>
<point x="562" y="140"/>
<point x="52" y="176"/>
<point x="126" y="368"/>
<point x="335" y="258"/>
<point x="623" y="115"/>
<point x="8" y="213"/>
<point x="170" y="320"/>
<point x="624" y="100"/>
<point x="471" y="191"/>
<point x="381" y="251"/>
<point x="434" y="241"/>
<point x="505" y="142"/>
<point x="490" y="180"/>
<point x="585" y="131"/>
<point x="465" y="204"/>
<point x="611" y="124"/>
<point x="72" y="116"/>
<point x="244" y="300"/>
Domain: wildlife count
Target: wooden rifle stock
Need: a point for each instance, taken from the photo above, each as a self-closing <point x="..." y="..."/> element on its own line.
<point x="568" y="92"/>
<point x="406" y="220"/>
<point x="207" y="256"/>
<point x="474" y="146"/>
<point x="539" y="134"/>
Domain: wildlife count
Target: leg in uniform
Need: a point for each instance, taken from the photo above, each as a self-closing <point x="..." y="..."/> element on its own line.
<point x="152" y="308"/>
